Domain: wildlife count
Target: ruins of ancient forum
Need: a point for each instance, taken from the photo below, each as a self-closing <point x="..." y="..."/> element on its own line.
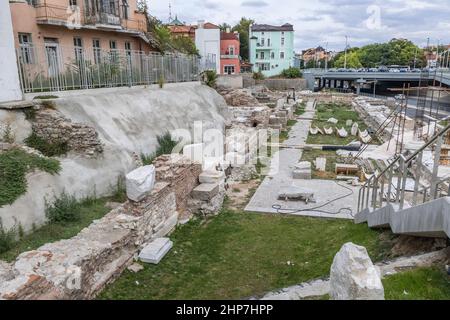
<point x="146" y="158"/>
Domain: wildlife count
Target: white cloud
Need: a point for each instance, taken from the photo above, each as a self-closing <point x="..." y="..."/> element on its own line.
<point x="324" y="21"/>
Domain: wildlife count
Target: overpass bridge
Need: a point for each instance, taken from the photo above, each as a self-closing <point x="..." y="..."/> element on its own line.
<point x="320" y="78"/>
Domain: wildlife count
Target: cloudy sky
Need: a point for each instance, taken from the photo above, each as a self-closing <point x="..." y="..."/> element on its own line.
<point x="318" y="22"/>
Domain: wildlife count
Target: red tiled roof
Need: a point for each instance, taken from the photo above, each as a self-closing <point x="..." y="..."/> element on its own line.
<point x="228" y="36"/>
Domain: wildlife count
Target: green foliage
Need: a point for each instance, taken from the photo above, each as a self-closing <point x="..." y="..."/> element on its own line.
<point x="291" y="73"/>
<point x="395" y="52"/>
<point x="243" y="28"/>
<point x="14" y="165"/>
<point x="210" y="78"/>
<point x="165" y="146"/>
<point x="50" y="149"/>
<point x="258" y="75"/>
<point x="119" y="192"/>
<point x="300" y="109"/>
<point x="30" y="114"/>
<point x="65" y="208"/>
<point x="168" y="43"/>
<point x="44" y="97"/>
<point x="7" y="238"/>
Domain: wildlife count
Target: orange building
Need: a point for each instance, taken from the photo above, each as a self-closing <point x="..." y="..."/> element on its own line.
<point x="229" y="53"/>
<point x="88" y="24"/>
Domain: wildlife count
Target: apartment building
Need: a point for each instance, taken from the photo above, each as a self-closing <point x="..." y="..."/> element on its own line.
<point x="229" y="53"/>
<point x="271" y="48"/>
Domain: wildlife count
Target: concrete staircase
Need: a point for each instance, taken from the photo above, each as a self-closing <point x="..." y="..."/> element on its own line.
<point x="430" y="219"/>
<point x="424" y="211"/>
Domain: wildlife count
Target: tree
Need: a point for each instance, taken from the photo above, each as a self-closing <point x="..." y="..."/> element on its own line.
<point x="224" y="26"/>
<point x="242" y="28"/>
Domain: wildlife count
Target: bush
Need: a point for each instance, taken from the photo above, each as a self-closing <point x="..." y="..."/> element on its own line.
<point x="7" y="238"/>
<point x="7" y="134"/>
<point x="165" y="146"/>
<point x="14" y="165"/>
<point x="291" y="73"/>
<point x="210" y="78"/>
<point x="65" y="208"/>
<point x="49" y="149"/>
<point x="258" y="75"/>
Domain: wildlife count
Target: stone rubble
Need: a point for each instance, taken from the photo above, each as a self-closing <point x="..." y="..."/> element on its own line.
<point x="51" y="125"/>
<point x="139" y="182"/>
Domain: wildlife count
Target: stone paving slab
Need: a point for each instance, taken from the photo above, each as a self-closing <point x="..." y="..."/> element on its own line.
<point x="280" y="176"/>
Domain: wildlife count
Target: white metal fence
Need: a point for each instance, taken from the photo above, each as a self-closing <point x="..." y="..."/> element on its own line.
<point x="56" y="68"/>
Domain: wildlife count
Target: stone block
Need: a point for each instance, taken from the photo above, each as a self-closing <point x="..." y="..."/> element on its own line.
<point x="296" y="193"/>
<point x="140" y="182"/>
<point x="205" y="191"/>
<point x="156" y="250"/>
<point x="301" y="174"/>
<point x="212" y="176"/>
<point x="353" y="275"/>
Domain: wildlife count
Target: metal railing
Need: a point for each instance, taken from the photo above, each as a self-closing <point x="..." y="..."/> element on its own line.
<point x="379" y="190"/>
<point x="74" y="15"/>
<point x="56" y="68"/>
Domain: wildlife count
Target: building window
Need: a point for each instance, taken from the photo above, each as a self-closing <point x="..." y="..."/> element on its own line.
<point x="231" y="50"/>
<point x="113" y="51"/>
<point x="281" y="55"/>
<point x="125" y="8"/>
<point x="272" y="55"/>
<point x="78" y="48"/>
<point x="113" y="45"/>
<point x="263" y="42"/>
<point x="257" y="56"/>
<point x="128" y="48"/>
<point x="265" y="66"/>
<point x="282" y="41"/>
<point x="72" y="2"/>
<point x="268" y="42"/>
<point x="229" y="69"/>
<point x="262" y="55"/>
<point x="97" y="51"/>
<point x="32" y="2"/>
<point x="26" y="48"/>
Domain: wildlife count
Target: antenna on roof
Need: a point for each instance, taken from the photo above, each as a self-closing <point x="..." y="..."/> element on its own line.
<point x="170" y="12"/>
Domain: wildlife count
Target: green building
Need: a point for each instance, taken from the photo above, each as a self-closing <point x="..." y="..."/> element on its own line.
<point x="271" y="48"/>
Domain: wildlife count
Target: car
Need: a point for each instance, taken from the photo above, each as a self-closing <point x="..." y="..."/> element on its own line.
<point x="403" y="70"/>
<point x="341" y="70"/>
<point x="400" y="97"/>
<point x="352" y="70"/>
<point x="383" y="69"/>
<point x="394" y="70"/>
<point x="416" y="70"/>
<point x="373" y="69"/>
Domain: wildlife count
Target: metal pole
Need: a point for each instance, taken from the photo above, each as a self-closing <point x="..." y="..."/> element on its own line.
<point x="346" y="45"/>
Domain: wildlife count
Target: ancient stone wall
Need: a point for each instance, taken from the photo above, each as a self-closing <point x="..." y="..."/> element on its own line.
<point x="52" y="126"/>
<point x="80" y="267"/>
<point x="182" y="175"/>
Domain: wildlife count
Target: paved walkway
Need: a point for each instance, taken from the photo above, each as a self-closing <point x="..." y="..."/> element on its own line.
<point x="280" y="175"/>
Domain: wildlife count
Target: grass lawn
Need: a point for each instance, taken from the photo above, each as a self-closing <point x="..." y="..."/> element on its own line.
<point x="341" y="112"/>
<point x="238" y="255"/>
<point x="418" y="284"/>
<point x="311" y="155"/>
<point x="89" y="211"/>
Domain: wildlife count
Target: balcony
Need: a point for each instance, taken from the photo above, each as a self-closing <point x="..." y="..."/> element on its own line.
<point x="229" y="56"/>
<point x="74" y="17"/>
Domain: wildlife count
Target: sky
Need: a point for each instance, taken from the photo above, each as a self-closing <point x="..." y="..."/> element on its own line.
<point x="325" y="22"/>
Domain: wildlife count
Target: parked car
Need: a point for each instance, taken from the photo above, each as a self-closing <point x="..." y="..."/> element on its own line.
<point x="404" y="70"/>
<point x="342" y="70"/>
<point x="373" y="69"/>
<point x="394" y="70"/>
<point x="416" y="70"/>
<point x="383" y="69"/>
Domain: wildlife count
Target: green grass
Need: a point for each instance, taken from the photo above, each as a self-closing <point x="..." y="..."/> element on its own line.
<point x="48" y="148"/>
<point x="300" y="109"/>
<point x="418" y="284"/>
<point x="311" y="155"/>
<point x="341" y="112"/>
<point x="14" y="165"/>
<point x="238" y="255"/>
<point x="88" y="210"/>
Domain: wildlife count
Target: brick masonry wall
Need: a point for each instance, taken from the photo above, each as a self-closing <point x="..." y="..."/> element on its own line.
<point x="181" y="174"/>
<point x="80" y="267"/>
<point x="52" y="126"/>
